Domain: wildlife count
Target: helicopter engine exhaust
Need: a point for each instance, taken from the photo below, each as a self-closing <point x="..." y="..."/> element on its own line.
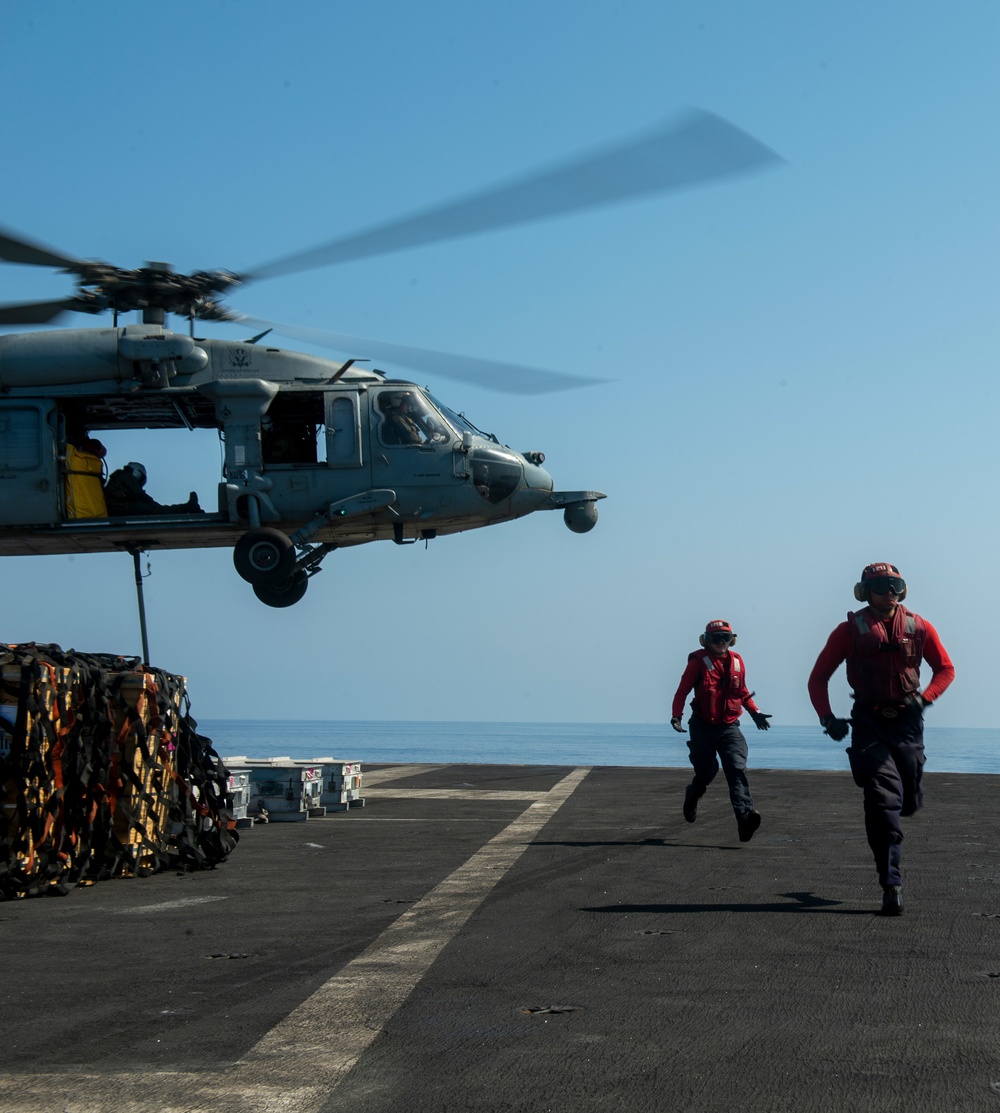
<point x="581" y="517"/>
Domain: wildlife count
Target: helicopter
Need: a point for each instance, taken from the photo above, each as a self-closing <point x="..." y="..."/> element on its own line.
<point x="317" y="454"/>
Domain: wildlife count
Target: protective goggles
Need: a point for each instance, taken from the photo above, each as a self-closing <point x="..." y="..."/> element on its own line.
<point x="719" y="638"/>
<point x="882" y="585"/>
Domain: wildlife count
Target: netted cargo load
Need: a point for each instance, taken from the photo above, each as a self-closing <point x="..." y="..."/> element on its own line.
<point x="102" y="773"/>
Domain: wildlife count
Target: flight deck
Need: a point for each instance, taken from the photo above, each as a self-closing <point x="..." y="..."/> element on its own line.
<point x="527" y="938"/>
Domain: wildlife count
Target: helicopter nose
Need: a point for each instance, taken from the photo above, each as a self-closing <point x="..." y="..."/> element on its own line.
<point x="536" y="478"/>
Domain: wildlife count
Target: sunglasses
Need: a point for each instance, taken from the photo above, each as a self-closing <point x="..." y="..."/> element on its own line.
<point x="720" y="639"/>
<point x="882" y="585"/>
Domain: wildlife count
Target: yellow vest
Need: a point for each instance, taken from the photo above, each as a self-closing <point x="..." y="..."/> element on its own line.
<point x="84" y="489"/>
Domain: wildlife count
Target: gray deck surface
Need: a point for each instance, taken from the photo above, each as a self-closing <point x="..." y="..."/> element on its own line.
<point x="527" y="938"/>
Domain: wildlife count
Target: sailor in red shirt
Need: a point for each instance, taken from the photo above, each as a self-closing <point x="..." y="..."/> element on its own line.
<point x="718" y="677"/>
<point x="883" y="645"/>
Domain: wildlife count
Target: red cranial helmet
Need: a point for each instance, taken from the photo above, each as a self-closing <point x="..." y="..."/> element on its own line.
<point x="717" y="626"/>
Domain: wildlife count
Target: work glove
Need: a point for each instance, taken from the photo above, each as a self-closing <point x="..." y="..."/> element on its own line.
<point x="760" y="720"/>
<point x="834" y="727"/>
<point x="677" y="725"/>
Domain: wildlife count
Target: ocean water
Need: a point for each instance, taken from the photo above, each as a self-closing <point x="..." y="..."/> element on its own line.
<point x="959" y="750"/>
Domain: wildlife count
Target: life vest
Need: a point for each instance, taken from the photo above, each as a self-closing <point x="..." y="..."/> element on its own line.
<point x="719" y="691"/>
<point x="84" y="489"/>
<point x="883" y="667"/>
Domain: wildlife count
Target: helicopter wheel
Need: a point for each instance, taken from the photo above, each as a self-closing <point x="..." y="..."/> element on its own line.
<point x="284" y="593"/>
<point x="264" y="555"/>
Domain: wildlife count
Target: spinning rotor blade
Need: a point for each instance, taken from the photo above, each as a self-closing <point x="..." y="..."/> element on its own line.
<point x="16" y="249"/>
<point x="511" y="378"/>
<point x="697" y="148"/>
<point x="37" y="312"/>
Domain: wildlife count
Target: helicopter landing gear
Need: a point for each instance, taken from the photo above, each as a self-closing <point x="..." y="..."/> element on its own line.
<point x="283" y="593"/>
<point x="264" y="556"/>
<point x="276" y="568"/>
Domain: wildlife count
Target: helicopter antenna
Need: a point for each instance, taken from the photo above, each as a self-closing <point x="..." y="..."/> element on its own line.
<point x="346" y="366"/>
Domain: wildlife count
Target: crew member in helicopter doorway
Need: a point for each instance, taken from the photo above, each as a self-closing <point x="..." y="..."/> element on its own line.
<point x="717" y="676"/>
<point x="124" y="495"/>
<point x="884" y="645"/>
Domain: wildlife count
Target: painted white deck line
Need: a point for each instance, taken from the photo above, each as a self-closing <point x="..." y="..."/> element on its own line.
<point x="459" y="794"/>
<point x="395" y="773"/>
<point x="296" y="1066"/>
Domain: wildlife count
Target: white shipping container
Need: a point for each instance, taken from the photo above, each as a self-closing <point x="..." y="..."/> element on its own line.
<point x="341" y="782"/>
<point x="288" y="790"/>
<point x="239" y="791"/>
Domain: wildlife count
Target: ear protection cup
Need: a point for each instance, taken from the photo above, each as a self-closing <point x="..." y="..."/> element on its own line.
<point x="861" y="591"/>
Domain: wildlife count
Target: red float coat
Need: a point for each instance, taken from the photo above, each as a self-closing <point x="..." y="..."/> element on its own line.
<point x="720" y="687"/>
<point x="883" y="660"/>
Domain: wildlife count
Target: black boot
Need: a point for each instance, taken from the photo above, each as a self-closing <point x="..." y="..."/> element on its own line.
<point x="892" y="901"/>
<point x="746" y="824"/>
<point x="691" y="798"/>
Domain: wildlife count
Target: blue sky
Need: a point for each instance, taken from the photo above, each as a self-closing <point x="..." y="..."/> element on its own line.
<point x="801" y="361"/>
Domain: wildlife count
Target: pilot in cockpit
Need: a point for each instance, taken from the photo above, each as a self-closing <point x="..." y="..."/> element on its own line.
<point x="399" y="426"/>
<point x="409" y="419"/>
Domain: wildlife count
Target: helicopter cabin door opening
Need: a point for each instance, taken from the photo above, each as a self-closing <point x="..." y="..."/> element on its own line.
<point x="312" y="452"/>
<point x="293" y="430"/>
<point x="290" y="452"/>
<point x="311" y="427"/>
<point x="29" y="469"/>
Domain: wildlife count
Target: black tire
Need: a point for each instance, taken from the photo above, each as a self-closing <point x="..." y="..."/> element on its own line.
<point x="264" y="555"/>
<point x="284" y="593"/>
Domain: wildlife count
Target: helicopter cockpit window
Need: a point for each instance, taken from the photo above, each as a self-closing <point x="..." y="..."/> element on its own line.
<point x="409" y="419"/>
<point x="461" y="422"/>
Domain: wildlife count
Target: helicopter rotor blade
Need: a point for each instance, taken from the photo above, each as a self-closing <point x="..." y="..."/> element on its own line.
<point x="17" y="249"/>
<point x="510" y="378"/>
<point x="36" y="312"/>
<point x="699" y="147"/>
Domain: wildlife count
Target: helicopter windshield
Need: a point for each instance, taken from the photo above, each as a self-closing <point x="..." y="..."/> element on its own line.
<point x="460" y="421"/>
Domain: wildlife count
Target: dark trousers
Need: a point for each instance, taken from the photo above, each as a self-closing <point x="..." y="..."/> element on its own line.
<point x="887" y="762"/>
<point x="725" y="740"/>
